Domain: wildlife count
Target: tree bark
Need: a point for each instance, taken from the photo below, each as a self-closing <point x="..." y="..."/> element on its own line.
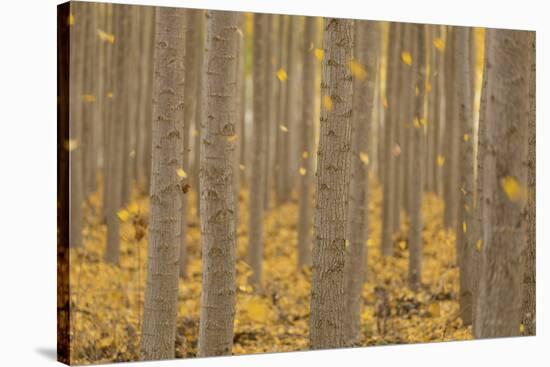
<point x="257" y="180"/>
<point x="217" y="195"/>
<point x="161" y="293"/>
<point x="327" y="295"/>
<point x="366" y="56"/>
<point x="504" y="178"/>
<point x="418" y="142"/>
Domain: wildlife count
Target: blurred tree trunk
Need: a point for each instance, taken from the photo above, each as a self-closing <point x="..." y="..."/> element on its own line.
<point x="257" y="184"/>
<point x="417" y="150"/>
<point x="107" y="115"/>
<point x="192" y="71"/>
<point x="306" y="136"/>
<point x="464" y="235"/>
<point x="282" y="89"/>
<point x="270" y="105"/>
<point x="217" y="195"/>
<point x="504" y="182"/>
<point x="117" y="136"/>
<point x="392" y="88"/>
<point x="529" y="277"/>
<point x="439" y="109"/>
<point x="333" y="170"/>
<point x="161" y="293"/>
<point x="198" y="115"/>
<point x="366" y="37"/>
<point x="75" y="144"/>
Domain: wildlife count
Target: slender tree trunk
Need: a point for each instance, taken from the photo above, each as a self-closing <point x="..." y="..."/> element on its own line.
<point x="418" y="142"/>
<point x="438" y="118"/>
<point x="257" y="185"/>
<point x="505" y="173"/>
<point x="327" y="294"/>
<point x="161" y="293"/>
<point x="464" y="235"/>
<point x="306" y="130"/>
<point x="198" y="115"/>
<point x="366" y="56"/>
<point x="529" y="278"/>
<point x="238" y="171"/>
<point x="217" y="196"/>
<point x="242" y="102"/>
<point x="392" y="86"/>
<point x="281" y="97"/>
<point x="270" y="105"/>
<point x="75" y="144"/>
<point x="107" y="115"/>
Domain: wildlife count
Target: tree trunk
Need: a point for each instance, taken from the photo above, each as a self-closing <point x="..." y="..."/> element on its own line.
<point x="529" y="277"/>
<point x="438" y="118"/>
<point x="257" y="184"/>
<point x="366" y="58"/>
<point x="161" y="293"/>
<point x="327" y="295"/>
<point x="270" y="105"/>
<point x="504" y="178"/>
<point x="417" y="145"/>
<point x="282" y="89"/>
<point x="392" y="87"/>
<point x="198" y="115"/>
<point x="465" y="245"/>
<point x="306" y="130"/>
<point x="217" y="195"/>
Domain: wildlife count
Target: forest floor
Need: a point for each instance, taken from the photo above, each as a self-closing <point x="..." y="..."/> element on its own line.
<point x="107" y="301"/>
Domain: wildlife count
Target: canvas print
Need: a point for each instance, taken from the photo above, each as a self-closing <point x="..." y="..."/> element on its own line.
<point x="234" y="183"/>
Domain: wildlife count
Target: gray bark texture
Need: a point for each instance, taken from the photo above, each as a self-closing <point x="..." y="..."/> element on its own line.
<point x="504" y="181"/>
<point x="418" y="142"/>
<point x="366" y="36"/>
<point x="333" y="170"/>
<point x="216" y="174"/>
<point x="257" y="179"/>
<point x="465" y="244"/>
<point x="306" y="138"/>
<point x="161" y="292"/>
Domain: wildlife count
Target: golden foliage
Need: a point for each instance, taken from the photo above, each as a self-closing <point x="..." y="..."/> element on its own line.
<point x="439" y="44"/>
<point x="357" y="70"/>
<point x="406" y="57"/>
<point x="106" y="37"/>
<point x="181" y="173"/>
<point x="512" y="188"/>
<point x="281" y="75"/>
<point x="319" y="54"/>
<point x="327" y="103"/>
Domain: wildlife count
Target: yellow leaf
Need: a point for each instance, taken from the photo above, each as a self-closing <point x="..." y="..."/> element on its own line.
<point x="133" y="208"/>
<point x="70" y="19"/>
<point x="181" y="173"/>
<point x="232" y="138"/>
<point x="302" y="171"/>
<point x="416" y="91"/>
<point x="440" y="160"/>
<point x="195" y="132"/>
<point x="512" y="188"/>
<point x="464" y="227"/>
<point x="70" y="144"/>
<point x="406" y="57"/>
<point x="241" y="167"/>
<point x="281" y="75"/>
<point x="88" y="98"/>
<point x="256" y="310"/>
<point x="439" y="44"/>
<point x="521" y="328"/>
<point x="479" y="244"/>
<point x="106" y="37"/>
<point x="385" y="102"/>
<point x="122" y="215"/>
<point x="109" y="94"/>
<point x="305" y="154"/>
<point x="416" y="122"/>
<point x="357" y="70"/>
<point x="364" y="157"/>
<point x="319" y="54"/>
<point x="435" y="310"/>
<point x="327" y="103"/>
<point x="466" y="137"/>
<point x="283" y="128"/>
<point x="428" y="87"/>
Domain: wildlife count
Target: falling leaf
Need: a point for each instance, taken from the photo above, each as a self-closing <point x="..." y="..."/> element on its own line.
<point x="305" y="154"/>
<point x="241" y="167"/>
<point x="357" y="70"/>
<point x="319" y="54"/>
<point x="435" y="309"/>
<point x="479" y="244"/>
<point x="281" y="75"/>
<point x="283" y="128"/>
<point x="439" y="44"/>
<point x="302" y="171"/>
<point x="122" y="215"/>
<point x="385" y="102"/>
<point x="106" y="37"/>
<point x="416" y="91"/>
<point x="195" y="132"/>
<point x="416" y="122"/>
<point x="70" y="19"/>
<point x="181" y="173"/>
<point x="464" y="227"/>
<point x="327" y="103"/>
<point x="70" y="144"/>
<point x="512" y="188"/>
<point x="232" y="138"/>
<point x="406" y="57"/>
<point x="364" y="157"/>
<point x="440" y="160"/>
<point x="109" y="94"/>
<point x="466" y="137"/>
<point x="133" y="208"/>
<point x="521" y="328"/>
<point x="88" y="98"/>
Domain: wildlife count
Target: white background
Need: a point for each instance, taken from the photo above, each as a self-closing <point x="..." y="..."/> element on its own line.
<point x="28" y="182"/>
